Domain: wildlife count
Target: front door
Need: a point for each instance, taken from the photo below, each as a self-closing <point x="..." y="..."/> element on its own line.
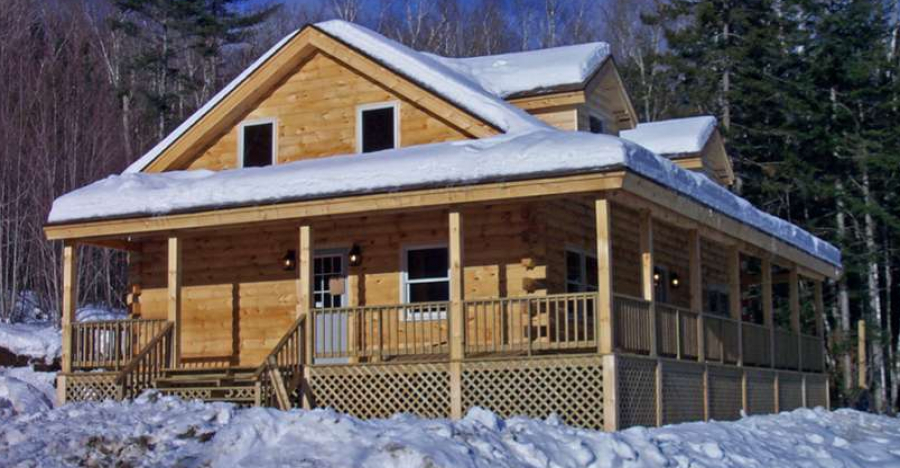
<point x="330" y="292"/>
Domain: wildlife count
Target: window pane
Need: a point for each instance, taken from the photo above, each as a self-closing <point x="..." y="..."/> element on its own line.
<point x="591" y="270"/>
<point x="429" y="292"/>
<point x="573" y="267"/>
<point x="427" y="263"/>
<point x="257" y="145"/>
<point x="596" y="125"/>
<point x="378" y="129"/>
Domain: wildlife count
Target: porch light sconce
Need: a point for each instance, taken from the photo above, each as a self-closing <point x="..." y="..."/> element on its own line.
<point x="674" y="280"/>
<point x="657" y="274"/>
<point x="354" y="258"/>
<point x="289" y="261"/>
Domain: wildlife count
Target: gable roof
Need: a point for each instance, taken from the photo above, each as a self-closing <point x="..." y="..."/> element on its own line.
<point x="532" y="72"/>
<point x="673" y="137"/>
<point x="421" y="68"/>
<point x="526" y="155"/>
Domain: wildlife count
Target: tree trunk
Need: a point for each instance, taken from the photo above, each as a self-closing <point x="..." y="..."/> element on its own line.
<point x="843" y="296"/>
<point x="872" y="286"/>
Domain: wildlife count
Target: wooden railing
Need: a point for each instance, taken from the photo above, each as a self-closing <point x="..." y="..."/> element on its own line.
<point x="811" y="352"/>
<point x="757" y="345"/>
<point x="110" y="344"/>
<point x="787" y="354"/>
<point x="143" y="370"/>
<point x="632" y="326"/>
<point x="282" y="370"/>
<point x="676" y="332"/>
<point x="382" y="331"/>
<point x="721" y="339"/>
<point x="529" y="324"/>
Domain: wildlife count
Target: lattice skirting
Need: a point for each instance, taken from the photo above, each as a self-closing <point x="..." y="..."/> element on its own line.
<point x="760" y="391"/>
<point x="570" y="387"/>
<point x="682" y="392"/>
<point x="790" y="391"/>
<point x="816" y="391"/>
<point x="94" y="386"/>
<point x="725" y="393"/>
<point x="636" y="391"/>
<point x="381" y="390"/>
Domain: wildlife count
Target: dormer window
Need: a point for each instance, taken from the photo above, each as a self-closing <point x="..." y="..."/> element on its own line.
<point x="377" y="127"/>
<point x="595" y="124"/>
<point x="257" y="144"/>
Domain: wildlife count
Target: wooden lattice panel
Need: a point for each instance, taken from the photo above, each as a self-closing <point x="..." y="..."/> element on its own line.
<point x="790" y="391"/>
<point x="816" y="390"/>
<point x="637" y="391"/>
<point x="725" y="394"/>
<point x="95" y="386"/>
<point x="682" y="392"/>
<point x="381" y="390"/>
<point x="570" y="387"/>
<point x="760" y="391"/>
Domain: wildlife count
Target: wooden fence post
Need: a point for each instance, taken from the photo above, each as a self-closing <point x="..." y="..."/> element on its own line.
<point x="69" y="305"/>
<point x="457" y="312"/>
<point x="173" y="294"/>
<point x="648" y="288"/>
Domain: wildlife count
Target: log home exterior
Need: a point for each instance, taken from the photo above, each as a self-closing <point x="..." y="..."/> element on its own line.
<point x="604" y="294"/>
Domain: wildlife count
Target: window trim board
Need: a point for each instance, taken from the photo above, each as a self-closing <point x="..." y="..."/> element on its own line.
<point x="249" y="123"/>
<point x="395" y="105"/>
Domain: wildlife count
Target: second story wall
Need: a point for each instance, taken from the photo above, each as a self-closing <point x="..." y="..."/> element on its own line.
<point x="315" y="111"/>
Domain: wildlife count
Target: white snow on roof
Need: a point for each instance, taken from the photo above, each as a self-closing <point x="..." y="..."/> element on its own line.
<point x="672" y="137"/>
<point x="509" y="74"/>
<point x="504" y="157"/>
<point x="433" y="74"/>
<point x="154" y="152"/>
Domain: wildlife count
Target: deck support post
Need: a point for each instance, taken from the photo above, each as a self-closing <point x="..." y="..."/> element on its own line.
<point x="305" y="304"/>
<point x="648" y="288"/>
<point x="457" y="312"/>
<point x="173" y="296"/>
<point x="695" y="268"/>
<point x="767" y="306"/>
<point x="734" y="299"/>
<point x="610" y="393"/>
<point x="69" y="304"/>
<point x="794" y="297"/>
<point x="605" y="325"/>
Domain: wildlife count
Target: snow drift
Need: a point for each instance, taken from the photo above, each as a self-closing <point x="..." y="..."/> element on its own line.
<point x="164" y="431"/>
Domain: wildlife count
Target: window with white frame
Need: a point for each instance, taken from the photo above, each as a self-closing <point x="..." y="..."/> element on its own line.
<point x="257" y="147"/>
<point x="377" y="127"/>
<point x="581" y="271"/>
<point x="426" y="279"/>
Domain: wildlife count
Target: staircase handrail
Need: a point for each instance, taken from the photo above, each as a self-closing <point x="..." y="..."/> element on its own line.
<point x="145" y="353"/>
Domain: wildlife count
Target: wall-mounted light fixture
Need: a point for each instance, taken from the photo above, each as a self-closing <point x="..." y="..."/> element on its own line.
<point x="355" y="256"/>
<point x="674" y="280"/>
<point x="657" y="274"/>
<point x="289" y="261"/>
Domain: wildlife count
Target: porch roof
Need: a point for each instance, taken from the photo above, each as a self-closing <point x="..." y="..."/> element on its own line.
<point x="521" y="156"/>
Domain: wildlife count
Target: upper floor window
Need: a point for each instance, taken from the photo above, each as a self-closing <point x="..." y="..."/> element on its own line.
<point x="377" y="127"/>
<point x="595" y="124"/>
<point x="257" y="144"/>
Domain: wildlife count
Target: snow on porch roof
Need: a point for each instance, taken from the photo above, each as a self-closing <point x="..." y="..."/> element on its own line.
<point x="506" y="157"/>
<point x="673" y="137"/>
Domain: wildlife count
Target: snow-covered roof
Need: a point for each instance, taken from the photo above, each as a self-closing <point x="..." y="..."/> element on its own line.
<point x="522" y="155"/>
<point x="517" y="73"/>
<point x="673" y="137"/>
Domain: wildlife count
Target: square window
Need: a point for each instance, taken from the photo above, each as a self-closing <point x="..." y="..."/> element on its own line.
<point x="377" y="129"/>
<point x="581" y="272"/>
<point x="427" y="263"/>
<point x="595" y="124"/>
<point x="257" y="143"/>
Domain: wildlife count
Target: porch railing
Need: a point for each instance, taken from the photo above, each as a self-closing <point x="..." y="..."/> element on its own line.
<point x="757" y="345"/>
<point x="529" y="324"/>
<point x="110" y="344"/>
<point x="282" y="370"/>
<point x="721" y="339"/>
<point x="632" y="326"/>
<point x="148" y="365"/>
<point x="787" y="355"/>
<point x="676" y="332"/>
<point x="811" y="352"/>
<point x="381" y="331"/>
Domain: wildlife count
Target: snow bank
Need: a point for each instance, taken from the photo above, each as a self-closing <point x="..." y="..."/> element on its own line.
<point x="156" y="431"/>
<point x="506" y="75"/>
<point x="673" y="137"/>
<point x="39" y="340"/>
<point x="500" y="158"/>
<point x="24" y="391"/>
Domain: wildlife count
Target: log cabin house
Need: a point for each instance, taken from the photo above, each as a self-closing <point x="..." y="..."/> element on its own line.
<point x="357" y="225"/>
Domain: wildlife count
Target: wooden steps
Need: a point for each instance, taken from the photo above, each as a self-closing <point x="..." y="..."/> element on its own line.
<point x="234" y="385"/>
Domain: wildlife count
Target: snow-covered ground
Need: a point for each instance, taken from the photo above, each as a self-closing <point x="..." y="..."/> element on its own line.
<point x="165" y="431"/>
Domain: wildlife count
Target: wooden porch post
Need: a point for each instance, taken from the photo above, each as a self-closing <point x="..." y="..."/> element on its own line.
<point x="768" y="319"/>
<point x="173" y="296"/>
<point x="647" y="268"/>
<point x="734" y="298"/>
<point x="69" y="304"/>
<point x="820" y="320"/>
<point x="794" y="297"/>
<point x="695" y="266"/>
<point x="605" y="324"/>
<point x="305" y="306"/>
<point x="457" y="312"/>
